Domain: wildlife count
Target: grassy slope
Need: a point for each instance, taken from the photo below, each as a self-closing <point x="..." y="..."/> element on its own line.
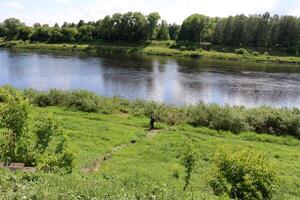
<point x="154" y="48"/>
<point x="154" y="158"/>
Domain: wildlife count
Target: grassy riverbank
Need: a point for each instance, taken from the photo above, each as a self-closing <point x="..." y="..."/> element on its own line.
<point x="117" y="157"/>
<point x="154" y="48"/>
<point x="143" y="165"/>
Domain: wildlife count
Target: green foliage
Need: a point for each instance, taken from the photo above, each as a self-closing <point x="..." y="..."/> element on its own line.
<point x="243" y="174"/>
<point x="274" y="121"/>
<point x="241" y="51"/>
<point x="188" y="160"/>
<point x="21" y="144"/>
<point x="217" y="117"/>
<point x="60" y="161"/>
<point x="173" y="31"/>
<point x="235" y="119"/>
<point x="152" y="19"/>
<point x="145" y="169"/>
<point x="194" y="28"/>
<point x="259" y="30"/>
<point x="163" y="32"/>
<point x="46" y="128"/>
<point x="14" y="111"/>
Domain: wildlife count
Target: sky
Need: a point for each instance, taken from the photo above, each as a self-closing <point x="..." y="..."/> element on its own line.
<point x="52" y="11"/>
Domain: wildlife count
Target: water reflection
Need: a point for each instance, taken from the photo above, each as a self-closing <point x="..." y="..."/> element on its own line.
<point x="173" y="81"/>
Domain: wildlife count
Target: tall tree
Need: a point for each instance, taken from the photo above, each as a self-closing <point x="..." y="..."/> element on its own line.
<point x="153" y="19"/>
<point x="173" y="31"/>
<point x="163" y="32"/>
<point x="193" y="28"/>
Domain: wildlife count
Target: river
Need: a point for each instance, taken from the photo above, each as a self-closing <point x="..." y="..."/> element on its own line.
<point x="162" y="79"/>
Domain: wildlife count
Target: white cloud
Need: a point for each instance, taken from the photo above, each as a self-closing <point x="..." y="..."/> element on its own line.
<point x="63" y="1"/>
<point x="13" y="5"/>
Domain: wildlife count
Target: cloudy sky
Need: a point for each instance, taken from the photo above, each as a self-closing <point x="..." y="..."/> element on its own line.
<point x="51" y="11"/>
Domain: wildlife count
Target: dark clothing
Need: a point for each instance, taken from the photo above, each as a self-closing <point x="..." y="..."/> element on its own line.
<point x="152" y="120"/>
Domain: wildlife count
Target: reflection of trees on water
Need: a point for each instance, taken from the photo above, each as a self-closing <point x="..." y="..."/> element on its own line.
<point x="174" y="81"/>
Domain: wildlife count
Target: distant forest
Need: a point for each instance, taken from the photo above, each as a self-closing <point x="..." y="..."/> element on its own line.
<point x="240" y="30"/>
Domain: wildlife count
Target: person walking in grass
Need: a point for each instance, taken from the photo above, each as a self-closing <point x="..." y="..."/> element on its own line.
<point x="152" y="120"/>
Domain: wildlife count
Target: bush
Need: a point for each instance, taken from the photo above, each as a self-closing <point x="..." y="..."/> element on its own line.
<point x="241" y="51"/>
<point x="274" y="121"/>
<point x="22" y="144"/>
<point x="255" y="53"/>
<point x="84" y="101"/>
<point x="217" y="117"/>
<point x="234" y="119"/>
<point x="14" y="117"/>
<point x="243" y="174"/>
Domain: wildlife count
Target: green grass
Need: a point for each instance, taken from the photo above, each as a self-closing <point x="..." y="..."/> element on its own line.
<point x="146" y="167"/>
<point x="151" y="48"/>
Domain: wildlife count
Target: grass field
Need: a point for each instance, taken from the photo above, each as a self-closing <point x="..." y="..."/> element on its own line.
<point x="142" y="164"/>
<point x="152" y="48"/>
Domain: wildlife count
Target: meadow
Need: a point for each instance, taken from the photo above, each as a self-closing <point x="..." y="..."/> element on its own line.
<point x="117" y="157"/>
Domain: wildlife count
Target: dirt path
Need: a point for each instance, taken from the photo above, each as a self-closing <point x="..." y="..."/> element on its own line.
<point x="97" y="164"/>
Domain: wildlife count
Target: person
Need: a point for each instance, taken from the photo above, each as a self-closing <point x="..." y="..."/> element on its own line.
<point x="152" y="120"/>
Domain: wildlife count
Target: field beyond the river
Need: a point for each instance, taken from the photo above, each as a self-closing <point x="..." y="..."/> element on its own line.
<point x="117" y="157"/>
<point x="165" y="48"/>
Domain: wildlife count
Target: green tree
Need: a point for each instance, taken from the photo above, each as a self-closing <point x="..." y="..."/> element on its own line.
<point x="24" y="32"/>
<point x="194" y="28"/>
<point x="11" y="25"/>
<point x="69" y="34"/>
<point x="2" y="30"/>
<point x="41" y="34"/>
<point x="152" y="19"/>
<point x="163" y="32"/>
<point x="173" y="31"/>
<point x="55" y="35"/>
<point x="86" y="32"/>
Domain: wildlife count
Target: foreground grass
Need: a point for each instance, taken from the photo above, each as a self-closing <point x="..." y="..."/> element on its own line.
<point x="152" y="48"/>
<point x="146" y="167"/>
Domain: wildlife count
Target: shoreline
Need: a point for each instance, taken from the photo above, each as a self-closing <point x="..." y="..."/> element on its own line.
<point x="152" y="49"/>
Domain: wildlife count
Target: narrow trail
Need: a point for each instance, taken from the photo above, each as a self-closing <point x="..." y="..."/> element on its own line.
<point x="97" y="164"/>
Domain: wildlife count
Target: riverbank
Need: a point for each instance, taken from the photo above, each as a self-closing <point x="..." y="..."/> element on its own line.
<point x="143" y="165"/>
<point x="153" y="48"/>
<point x="116" y="156"/>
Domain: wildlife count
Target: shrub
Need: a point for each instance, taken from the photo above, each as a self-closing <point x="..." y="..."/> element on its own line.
<point x="216" y="117"/>
<point x="274" y="121"/>
<point x="46" y="128"/>
<point x="266" y="53"/>
<point x="255" y="53"/>
<point x="234" y="119"/>
<point x="188" y="160"/>
<point x="14" y="115"/>
<point x="20" y="145"/>
<point x="84" y="101"/>
<point x="243" y="174"/>
<point x="241" y="51"/>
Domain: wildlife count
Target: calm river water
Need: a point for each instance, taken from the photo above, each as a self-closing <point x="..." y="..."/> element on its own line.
<point x="168" y="80"/>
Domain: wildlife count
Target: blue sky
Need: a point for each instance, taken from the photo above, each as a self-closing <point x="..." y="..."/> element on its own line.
<point x="51" y="11"/>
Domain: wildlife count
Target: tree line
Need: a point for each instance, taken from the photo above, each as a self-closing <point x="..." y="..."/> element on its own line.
<point x="261" y="30"/>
